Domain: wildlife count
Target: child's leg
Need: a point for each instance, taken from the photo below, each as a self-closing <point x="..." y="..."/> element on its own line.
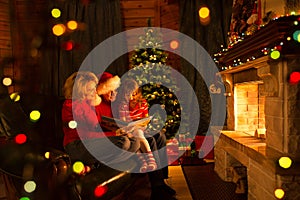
<point x="144" y="166"/>
<point x="145" y="147"/>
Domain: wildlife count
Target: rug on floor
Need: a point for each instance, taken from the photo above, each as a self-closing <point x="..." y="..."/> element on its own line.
<point x="205" y="184"/>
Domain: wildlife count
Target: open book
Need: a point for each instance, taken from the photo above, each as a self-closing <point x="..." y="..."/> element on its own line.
<point x="113" y="124"/>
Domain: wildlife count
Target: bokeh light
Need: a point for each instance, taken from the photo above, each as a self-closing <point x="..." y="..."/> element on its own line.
<point x="72" y="124"/>
<point x="7" y="81"/>
<point x="20" y="138"/>
<point x="72" y="25"/>
<point x="68" y="46"/>
<point x="29" y="186"/>
<point x="204" y="12"/>
<point x="275" y="54"/>
<point x="24" y="198"/>
<point x="35" y="115"/>
<point x="59" y="29"/>
<point x="279" y="193"/>
<point x="294" y="78"/>
<point x="285" y="162"/>
<point x="34" y="52"/>
<point x="100" y="190"/>
<point x="47" y="155"/>
<point x="174" y="44"/>
<point x="78" y="167"/>
<point x="15" y="96"/>
<point x="56" y="13"/>
<point x="296" y="35"/>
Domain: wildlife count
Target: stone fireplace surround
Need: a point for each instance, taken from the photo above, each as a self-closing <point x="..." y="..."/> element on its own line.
<point x="239" y="147"/>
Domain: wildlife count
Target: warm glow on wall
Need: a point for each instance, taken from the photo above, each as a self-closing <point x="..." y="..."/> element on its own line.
<point x="58" y="29"/>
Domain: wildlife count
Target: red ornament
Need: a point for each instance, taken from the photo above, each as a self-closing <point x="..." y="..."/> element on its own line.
<point x="294" y="78"/>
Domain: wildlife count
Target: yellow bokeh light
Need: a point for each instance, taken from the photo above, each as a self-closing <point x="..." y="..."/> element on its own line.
<point x="279" y="193"/>
<point x="15" y="96"/>
<point x="58" y="29"/>
<point x="78" y="167"/>
<point x="29" y="186"/>
<point x="35" y="115"/>
<point x="47" y="155"/>
<point x="285" y="162"/>
<point x="56" y="13"/>
<point x="288" y="38"/>
<point x="7" y="81"/>
<point x="72" y="124"/>
<point x="275" y="54"/>
<point x="72" y="25"/>
<point x="203" y="12"/>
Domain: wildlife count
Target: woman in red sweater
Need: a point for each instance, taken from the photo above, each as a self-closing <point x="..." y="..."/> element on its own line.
<point x="84" y="139"/>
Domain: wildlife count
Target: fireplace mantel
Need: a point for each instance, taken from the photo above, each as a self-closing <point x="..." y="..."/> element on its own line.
<point x="273" y="34"/>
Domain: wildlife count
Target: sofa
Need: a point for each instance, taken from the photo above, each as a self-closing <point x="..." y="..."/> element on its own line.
<point x="33" y="168"/>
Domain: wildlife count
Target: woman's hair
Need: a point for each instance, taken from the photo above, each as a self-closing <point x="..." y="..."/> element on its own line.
<point x="75" y="85"/>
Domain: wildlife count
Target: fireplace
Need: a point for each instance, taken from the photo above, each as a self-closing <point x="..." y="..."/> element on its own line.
<point x="249" y="108"/>
<point x="263" y="114"/>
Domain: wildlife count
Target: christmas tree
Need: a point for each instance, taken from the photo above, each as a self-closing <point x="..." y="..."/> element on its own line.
<point x="149" y="69"/>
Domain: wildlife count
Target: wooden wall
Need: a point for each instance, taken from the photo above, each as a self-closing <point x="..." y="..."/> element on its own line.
<point x="29" y="26"/>
<point x="23" y="23"/>
<point x="5" y="40"/>
<point x="162" y="13"/>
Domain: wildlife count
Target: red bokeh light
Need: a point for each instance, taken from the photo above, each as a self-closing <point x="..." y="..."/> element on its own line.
<point x="294" y="78"/>
<point x="100" y="190"/>
<point x="68" y="46"/>
<point x="20" y="138"/>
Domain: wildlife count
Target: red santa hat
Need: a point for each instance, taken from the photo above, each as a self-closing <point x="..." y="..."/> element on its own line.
<point x="107" y="82"/>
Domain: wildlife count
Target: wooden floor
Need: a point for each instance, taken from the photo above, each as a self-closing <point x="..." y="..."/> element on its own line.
<point x="177" y="182"/>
